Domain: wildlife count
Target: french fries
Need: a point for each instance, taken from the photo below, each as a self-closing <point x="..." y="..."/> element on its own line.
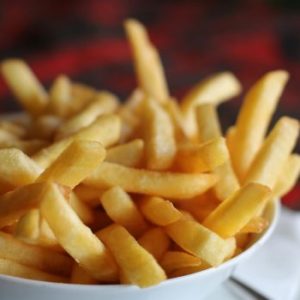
<point x="97" y="191"/>
<point x="138" y="265"/>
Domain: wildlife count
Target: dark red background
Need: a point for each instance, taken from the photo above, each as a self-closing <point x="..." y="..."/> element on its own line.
<point x="85" y="40"/>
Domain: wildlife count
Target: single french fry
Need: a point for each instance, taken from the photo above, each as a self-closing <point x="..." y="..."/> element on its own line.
<point x="84" y="212"/>
<point x="212" y="90"/>
<point x="28" y="226"/>
<point x="79" y="242"/>
<point x="176" y="260"/>
<point x="289" y="175"/>
<point x="137" y="264"/>
<point x="80" y="276"/>
<point x="208" y="129"/>
<point x="269" y="161"/>
<point x="255" y="225"/>
<point x="159" y="136"/>
<point x="16" y="203"/>
<point x="60" y="97"/>
<point x="75" y="163"/>
<point x="34" y="256"/>
<point x="254" y="118"/>
<point x="155" y="241"/>
<point x="103" y="103"/>
<point x="197" y="158"/>
<point x="25" y="86"/>
<point x="164" y="184"/>
<point x="148" y="67"/>
<point x="121" y="209"/>
<point x="106" y="130"/>
<point x="16" y="169"/>
<point x="237" y="211"/>
<point x="159" y="211"/>
<point x="129" y="154"/>
<point x="189" y="270"/>
<point x="200" y="241"/>
<point x="12" y="268"/>
<point x="230" y="134"/>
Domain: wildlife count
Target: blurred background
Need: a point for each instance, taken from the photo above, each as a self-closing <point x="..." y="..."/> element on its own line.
<point x="85" y="40"/>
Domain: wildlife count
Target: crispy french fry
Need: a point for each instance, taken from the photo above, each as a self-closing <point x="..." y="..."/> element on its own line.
<point x="106" y="130"/>
<point x="209" y="128"/>
<point x="255" y="225"/>
<point x="176" y="260"/>
<point x="24" y="85"/>
<point x="16" y="169"/>
<point x="197" y="158"/>
<point x="121" y="209"/>
<point x="213" y="90"/>
<point x="60" y="96"/>
<point x="28" y="226"/>
<point x="12" y="268"/>
<point x="200" y="241"/>
<point x="289" y="175"/>
<point x="159" y="211"/>
<point x="155" y="241"/>
<point x="75" y="163"/>
<point x="79" y="242"/>
<point x="103" y="103"/>
<point x="254" y="118"/>
<point x="159" y="136"/>
<point x="237" y="211"/>
<point x="148" y="67"/>
<point x="137" y="264"/>
<point x="169" y="185"/>
<point x="129" y="154"/>
<point x="269" y="161"/>
<point x="16" y="203"/>
<point x="34" y="256"/>
<point x="80" y="276"/>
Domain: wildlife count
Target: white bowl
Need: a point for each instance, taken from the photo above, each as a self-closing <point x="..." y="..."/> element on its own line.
<point x="193" y="287"/>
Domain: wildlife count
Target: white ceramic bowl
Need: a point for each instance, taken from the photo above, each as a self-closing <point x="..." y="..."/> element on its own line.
<point x="191" y="287"/>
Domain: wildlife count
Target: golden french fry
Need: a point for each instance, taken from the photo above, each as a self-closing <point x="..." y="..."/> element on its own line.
<point x="148" y="67"/>
<point x="75" y="163"/>
<point x="237" y="211"/>
<point x="16" y="130"/>
<point x="88" y="195"/>
<point x="213" y="90"/>
<point x="230" y="134"/>
<point x="155" y="241"/>
<point x="16" y="203"/>
<point x="82" y="95"/>
<point x="46" y="236"/>
<point x="189" y="270"/>
<point x="197" y="158"/>
<point x="25" y="86"/>
<point x="242" y="240"/>
<point x="130" y="123"/>
<point x="106" y="130"/>
<point x="60" y="97"/>
<point x="28" y="226"/>
<point x="255" y="225"/>
<point x="164" y="184"/>
<point x="176" y="260"/>
<point x="121" y="209"/>
<point x="16" y="169"/>
<point x="79" y="242"/>
<point x="269" y="161"/>
<point x="84" y="212"/>
<point x="254" y="118"/>
<point x="34" y="256"/>
<point x="137" y="264"/>
<point x="208" y="129"/>
<point x="103" y="103"/>
<point x="288" y="177"/>
<point x="159" y="211"/>
<point x="12" y="268"/>
<point x="129" y="154"/>
<point x="134" y="102"/>
<point x="80" y="276"/>
<point x="159" y="136"/>
<point x="200" y="241"/>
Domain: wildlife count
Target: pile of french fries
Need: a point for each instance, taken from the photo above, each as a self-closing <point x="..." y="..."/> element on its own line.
<point x="95" y="191"/>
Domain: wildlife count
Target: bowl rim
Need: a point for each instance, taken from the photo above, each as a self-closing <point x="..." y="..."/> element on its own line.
<point x="274" y="207"/>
